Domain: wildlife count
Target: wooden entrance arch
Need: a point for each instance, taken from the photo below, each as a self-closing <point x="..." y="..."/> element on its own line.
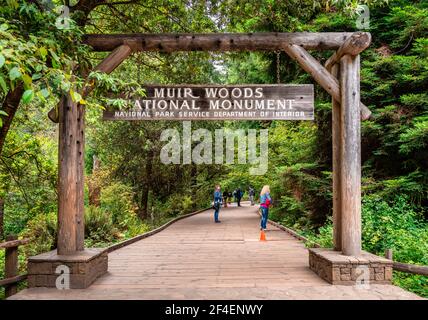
<point x="340" y="77"/>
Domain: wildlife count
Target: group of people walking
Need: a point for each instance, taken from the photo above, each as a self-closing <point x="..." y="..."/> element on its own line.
<point x="222" y="199"/>
<point x="237" y="194"/>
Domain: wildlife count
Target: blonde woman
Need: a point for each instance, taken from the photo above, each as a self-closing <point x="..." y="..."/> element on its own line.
<point x="265" y="201"/>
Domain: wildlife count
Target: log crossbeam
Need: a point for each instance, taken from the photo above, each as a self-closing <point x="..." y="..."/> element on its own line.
<point x="262" y="41"/>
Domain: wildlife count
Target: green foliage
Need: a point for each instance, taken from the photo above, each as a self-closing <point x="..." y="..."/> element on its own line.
<point x="178" y="204"/>
<point x="42" y="232"/>
<point x="396" y="225"/>
<point x="116" y="199"/>
<point x="34" y="53"/>
<point x="117" y="202"/>
<point x="99" y="227"/>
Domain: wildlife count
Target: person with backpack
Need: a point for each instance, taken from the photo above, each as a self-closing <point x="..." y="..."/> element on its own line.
<point x="251" y="194"/>
<point x="225" y="195"/>
<point x="265" y="202"/>
<point x="229" y="197"/>
<point x="217" y="203"/>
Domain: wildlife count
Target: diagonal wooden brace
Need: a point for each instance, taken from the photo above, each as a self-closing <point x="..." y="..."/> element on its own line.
<point x="353" y="46"/>
<point x="320" y="74"/>
<point x="111" y="62"/>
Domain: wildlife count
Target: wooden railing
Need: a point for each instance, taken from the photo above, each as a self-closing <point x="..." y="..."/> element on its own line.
<point x="11" y="265"/>
<point x="406" y="267"/>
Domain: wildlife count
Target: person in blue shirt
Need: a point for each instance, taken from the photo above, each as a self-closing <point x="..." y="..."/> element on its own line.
<point x="239" y="195"/>
<point x="265" y="202"/>
<point x="217" y="202"/>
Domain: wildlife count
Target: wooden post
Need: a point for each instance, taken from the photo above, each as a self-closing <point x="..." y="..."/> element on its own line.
<point x="350" y="155"/>
<point x="337" y="146"/>
<point x="71" y="117"/>
<point x="11" y="266"/>
<point x="388" y="254"/>
<point x="70" y="175"/>
<point x="80" y="144"/>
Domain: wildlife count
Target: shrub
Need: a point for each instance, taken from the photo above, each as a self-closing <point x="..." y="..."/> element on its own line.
<point x="99" y="227"/>
<point x="179" y="204"/>
<point x="117" y="200"/>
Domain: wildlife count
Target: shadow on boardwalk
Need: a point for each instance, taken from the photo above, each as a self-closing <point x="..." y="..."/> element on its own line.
<point x="197" y="259"/>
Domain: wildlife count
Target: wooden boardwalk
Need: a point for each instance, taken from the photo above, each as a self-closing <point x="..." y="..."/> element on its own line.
<point x="197" y="259"/>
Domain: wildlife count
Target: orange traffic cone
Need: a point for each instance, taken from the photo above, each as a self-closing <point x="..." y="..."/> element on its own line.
<point x="262" y="236"/>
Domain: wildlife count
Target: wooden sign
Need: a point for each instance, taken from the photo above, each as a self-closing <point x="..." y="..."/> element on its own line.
<point x="216" y="102"/>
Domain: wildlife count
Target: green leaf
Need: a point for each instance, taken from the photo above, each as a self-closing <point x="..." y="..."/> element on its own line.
<point x="45" y="93"/>
<point x="27" y="96"/>
<point x="14" y="73"/>
<point x="2" y="60"/>
<point x="75" y="96"/>
<point x="2" y="113"/>
<point x="27" y="80"/>
<point x="43" y="53"/>
<point x="3" y="84"/>
<point x="36" y="76"/>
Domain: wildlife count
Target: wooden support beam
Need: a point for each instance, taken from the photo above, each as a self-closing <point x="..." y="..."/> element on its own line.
<point x="353" y="46"/>
<point x="111" y="62"/>
<point x="13" y="280"/>
<point x="70" y="177"/>
<point x="11" y="267"/>
<point x="320" y="74"/>
<point x="337" y="151"/>
<point x="350" y="155"/>
<point x="114" y="59"/>
<point x="263" y="41"/>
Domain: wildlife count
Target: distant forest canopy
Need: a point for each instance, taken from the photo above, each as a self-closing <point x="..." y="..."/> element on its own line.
<point x="129" y="191"/>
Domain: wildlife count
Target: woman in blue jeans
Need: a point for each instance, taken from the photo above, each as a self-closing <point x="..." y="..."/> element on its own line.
<point x="265" y="201"/>
<point x="217" y="202"/>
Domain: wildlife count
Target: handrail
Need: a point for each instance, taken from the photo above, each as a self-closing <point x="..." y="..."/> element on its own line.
<point x="407" y="267"/>
<point x="11" y="264"/>
<point x="13" y="243"/>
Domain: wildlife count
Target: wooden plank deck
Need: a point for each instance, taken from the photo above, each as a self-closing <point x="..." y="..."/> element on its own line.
<point x="195" y="258"/>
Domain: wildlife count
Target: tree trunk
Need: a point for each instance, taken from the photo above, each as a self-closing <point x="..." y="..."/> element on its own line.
<point x="10" y="105"/>
<point x="146" y="189"/>
<point x="144" y="203"/>
<point x="94" y="184"/>
<point x="1" y="218"/>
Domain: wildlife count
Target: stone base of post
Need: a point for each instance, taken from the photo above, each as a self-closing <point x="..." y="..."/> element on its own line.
<point x="336" y="268"/>
<point x="76" y="271"/>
